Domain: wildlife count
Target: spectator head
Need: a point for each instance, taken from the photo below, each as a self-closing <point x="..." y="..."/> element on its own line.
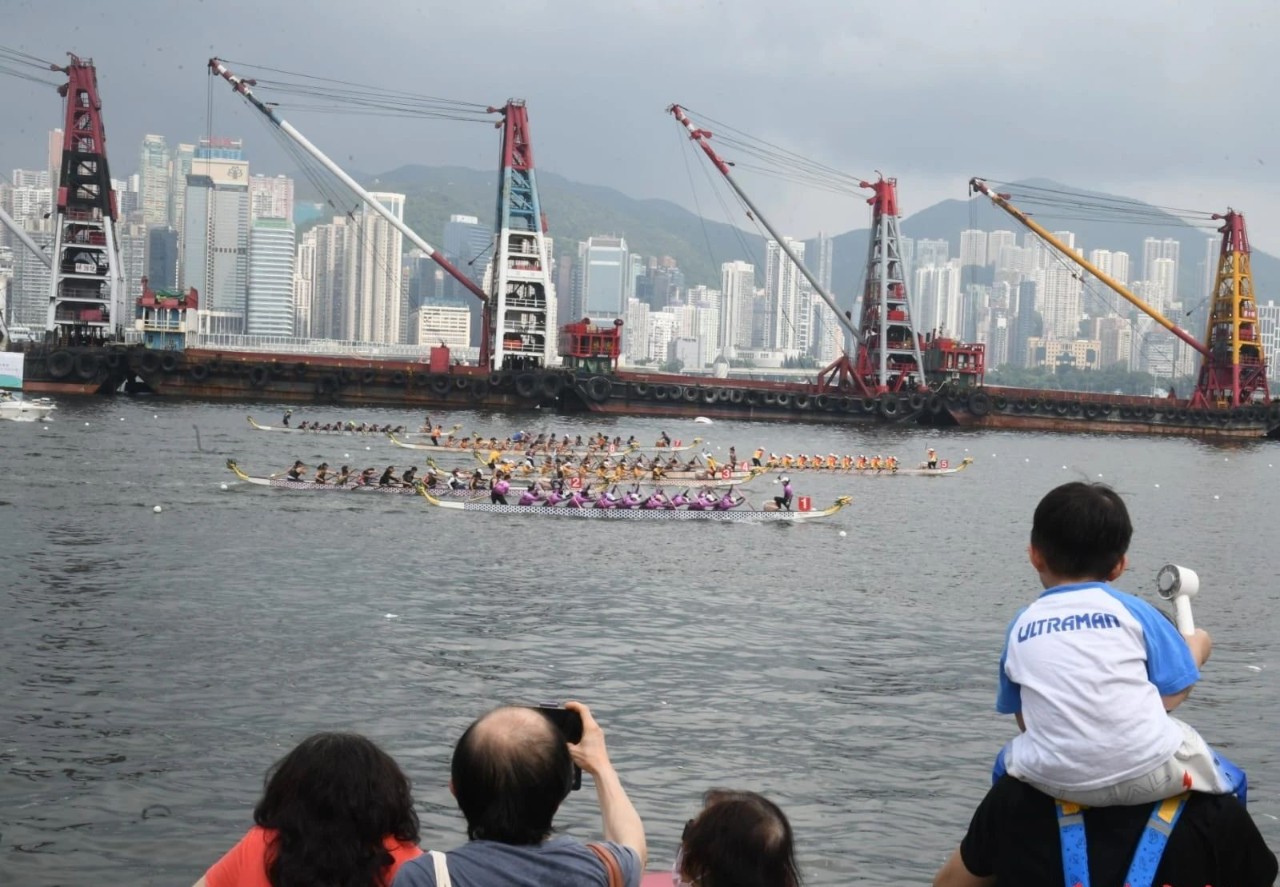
<point x="740" y="839"/>
<point x="332" y="801"/>
<point x="511" y="771"/>
<point x="1081" y="531"/>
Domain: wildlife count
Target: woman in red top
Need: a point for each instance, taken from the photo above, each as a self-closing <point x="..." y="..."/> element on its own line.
<point x="335" y="810"/>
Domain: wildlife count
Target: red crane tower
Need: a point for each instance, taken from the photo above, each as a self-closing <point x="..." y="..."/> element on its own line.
<point x="86" y="284"/>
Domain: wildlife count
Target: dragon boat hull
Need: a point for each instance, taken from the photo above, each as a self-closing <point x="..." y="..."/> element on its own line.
<point x="733" y="516"/>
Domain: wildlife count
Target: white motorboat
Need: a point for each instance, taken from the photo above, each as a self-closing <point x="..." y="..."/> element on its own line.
<point x="13" y="405"/>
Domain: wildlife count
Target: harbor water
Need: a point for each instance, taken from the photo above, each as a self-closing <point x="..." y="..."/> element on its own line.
<point x="155" y="664"/>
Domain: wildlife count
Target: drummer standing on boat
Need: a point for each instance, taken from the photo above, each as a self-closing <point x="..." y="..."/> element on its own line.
<point x="931" y="459"/>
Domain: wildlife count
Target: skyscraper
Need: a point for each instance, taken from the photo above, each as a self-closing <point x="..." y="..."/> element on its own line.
<point x="605" y="280"/>
<point x="153" y="170"/>
<point x="304" y="276"/>
<point x="374" y="295"/>
<point x="469" y="246"/>
<point x="931" y="252"/>
<point x="162" y="258"/>
<point x="271" y="261"/>
<point x="179" y="169"/>
<point x="216" y="235"/>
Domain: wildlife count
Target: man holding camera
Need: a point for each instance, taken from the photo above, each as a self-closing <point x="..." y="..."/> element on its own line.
<point x="512" y="769"/>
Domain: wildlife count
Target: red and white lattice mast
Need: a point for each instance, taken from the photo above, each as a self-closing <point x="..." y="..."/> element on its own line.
<point x="523" y="301"/>
<point x="887" y="351"/>
<point x="87" y="285"/>
<point x="889" y="357"/>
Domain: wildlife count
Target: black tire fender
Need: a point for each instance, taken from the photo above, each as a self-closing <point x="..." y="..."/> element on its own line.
<point x="199" y="372"/>
<point x="259" y="375"/>
<point x="979" y="403"/>
<point x="526" y="384"/>
<point x="599" y="388"/>
<point x="86" y="365"/>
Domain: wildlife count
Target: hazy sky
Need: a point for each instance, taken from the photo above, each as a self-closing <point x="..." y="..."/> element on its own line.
<point x="1156" y="99"/>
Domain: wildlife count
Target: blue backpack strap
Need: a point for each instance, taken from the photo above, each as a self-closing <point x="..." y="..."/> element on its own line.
<point x="1075" y="853"/>
<point x="1164" y="816"/>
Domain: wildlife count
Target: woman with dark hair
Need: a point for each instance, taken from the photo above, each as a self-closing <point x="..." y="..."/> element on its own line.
<point x="740" y="839"/>
<point x="335" y="811"/>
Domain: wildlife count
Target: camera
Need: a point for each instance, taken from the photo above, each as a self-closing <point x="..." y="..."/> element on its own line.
<point x="569" y="723"/>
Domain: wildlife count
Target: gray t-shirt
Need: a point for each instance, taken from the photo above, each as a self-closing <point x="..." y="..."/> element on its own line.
<point x="559" y="862"/>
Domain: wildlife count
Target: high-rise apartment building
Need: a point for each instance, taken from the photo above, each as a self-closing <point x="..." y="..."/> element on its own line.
<point x="973" y="248"/>
<point x="931" y="252"/>
<point x="996" y="242"/>
<point x="54" y="163"/>
<point x="215" y="256"/>
<point x="783" y="302"/>
<point x="31" y="285"/>
<point x="1269" y="333"/>
<point x="270" y="197"/>
<point x="1156" y="248"/>
<point x="334" y="266"/>
<point x="737" y="295"/>
<point x="132" y="237"/>
<point x="153" y="172"/>
<point x="1058" y="301"/>
<point x="304" y="275"/>
<point x="271" y="261"/>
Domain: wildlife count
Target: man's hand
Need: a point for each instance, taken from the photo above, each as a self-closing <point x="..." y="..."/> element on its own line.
<point x="590" y="754"/>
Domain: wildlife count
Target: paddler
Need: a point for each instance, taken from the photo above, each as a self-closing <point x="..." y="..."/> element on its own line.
<point x="783" y="502"/>
<point x="388" y="478"/>
<point x="322" y="473"/>
<point x="756" y="457"/>
<point x="663" y="441"/>
<point x="498" y="491"/>
<point x="366" y="477"/>
<point x="285" y="419"/>
<point x="297" y="471"/>
<point x="344" y="476"/>
<point x="410" y="477"/>
<point x="875" y="463"/>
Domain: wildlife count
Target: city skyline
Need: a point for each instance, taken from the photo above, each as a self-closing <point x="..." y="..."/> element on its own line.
<point x="1033" y="309"/>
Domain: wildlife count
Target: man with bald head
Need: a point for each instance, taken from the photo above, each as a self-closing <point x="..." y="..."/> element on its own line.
<point x="512" y="768"/>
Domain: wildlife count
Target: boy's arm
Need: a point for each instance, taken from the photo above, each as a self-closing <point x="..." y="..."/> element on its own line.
<point x="1201" y="646"/>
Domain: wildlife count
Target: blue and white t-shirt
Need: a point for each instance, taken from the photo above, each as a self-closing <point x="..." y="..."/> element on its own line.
<point x="560" y="861"/>
<point x="1086" y="666"/>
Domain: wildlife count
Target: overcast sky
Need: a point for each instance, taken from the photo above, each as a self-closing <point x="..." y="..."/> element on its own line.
<point x="1162" y="100"/>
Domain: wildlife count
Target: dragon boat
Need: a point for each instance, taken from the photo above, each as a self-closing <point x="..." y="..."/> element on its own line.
<point x="723" y="475"/>
<point x="300" y="486"/>
<point x="477" y="444"/>
<point x="345" y="428"/>
<point x="804" y="511"/>
<point x="943" y="470"/>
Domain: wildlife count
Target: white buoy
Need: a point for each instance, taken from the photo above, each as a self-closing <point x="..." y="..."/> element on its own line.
<point x="122" y="418"/>
<point x="391" y="616"/>
<point x="346" y="455"/>
<point x="1157" y="486"/>
<point x="1026" y="460"/>
<point x="86" y="424"/>
<point x="843" y="534"/>
<point x="157" y="509"/>
<point x="156" y="416"/>
<point x="368" y="448"/>
<point x="1215" y="497"/>
<point x="224" y="486"/>
<point x="1064" y="468"/>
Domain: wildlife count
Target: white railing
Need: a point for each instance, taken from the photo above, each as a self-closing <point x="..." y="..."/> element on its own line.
<point x="323" y="347"/>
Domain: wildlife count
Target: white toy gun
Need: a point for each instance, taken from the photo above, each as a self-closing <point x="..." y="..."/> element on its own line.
<point x="1180" y="585"/>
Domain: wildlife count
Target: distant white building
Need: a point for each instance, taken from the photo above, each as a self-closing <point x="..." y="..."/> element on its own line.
<point x="973" y="248"/>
